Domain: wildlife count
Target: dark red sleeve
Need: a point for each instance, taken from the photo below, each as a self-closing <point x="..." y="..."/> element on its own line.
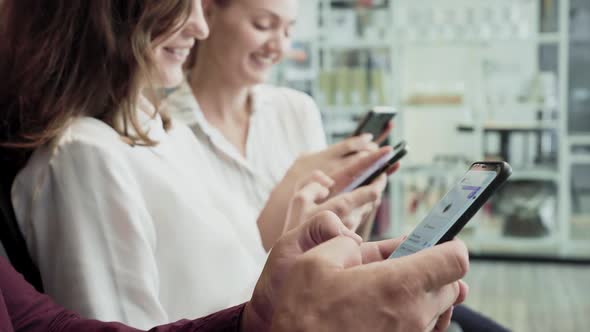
<point x="31" y="311"/>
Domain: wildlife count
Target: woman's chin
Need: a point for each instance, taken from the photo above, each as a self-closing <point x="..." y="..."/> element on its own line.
<point x="171" y="79"/>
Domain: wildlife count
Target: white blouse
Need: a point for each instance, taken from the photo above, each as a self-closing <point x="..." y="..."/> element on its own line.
<point x="132" y="234"/>
<point x="284" y="124"/>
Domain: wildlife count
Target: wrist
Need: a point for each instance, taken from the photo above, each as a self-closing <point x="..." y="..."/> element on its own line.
<point x="253" y="321"/>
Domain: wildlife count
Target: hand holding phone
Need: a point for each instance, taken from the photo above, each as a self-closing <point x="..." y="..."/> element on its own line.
<point x="378" y="168"/>
<point x="375" y="122"/>
<point x="456" y="208"/>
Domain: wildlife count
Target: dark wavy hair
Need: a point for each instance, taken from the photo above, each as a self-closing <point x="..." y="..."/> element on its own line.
<point x="61" y="59"/>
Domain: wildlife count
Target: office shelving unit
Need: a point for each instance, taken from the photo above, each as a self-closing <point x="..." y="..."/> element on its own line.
<point x="343" y="50"/>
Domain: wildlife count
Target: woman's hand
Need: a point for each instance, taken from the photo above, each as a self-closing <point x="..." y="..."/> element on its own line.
<point x="352" y="207"/>
<point x="338" y="155"/>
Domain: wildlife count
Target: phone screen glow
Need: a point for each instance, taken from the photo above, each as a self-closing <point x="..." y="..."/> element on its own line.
<point x="446" y="212"/>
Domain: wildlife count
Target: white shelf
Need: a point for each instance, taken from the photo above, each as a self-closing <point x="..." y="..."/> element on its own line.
<point x="536" y="174"/>
<point x="503" y="244"/>
<point x="329" y="43"/>
<point x="578" y="159"/>
<point x="549" y="38"/>
<point x="579" y="139"/>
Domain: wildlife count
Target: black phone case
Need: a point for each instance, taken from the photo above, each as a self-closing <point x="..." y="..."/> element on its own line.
<point x="505" y="173"/>
<point x="397" y="157"/>
<point x="381" y="118"/>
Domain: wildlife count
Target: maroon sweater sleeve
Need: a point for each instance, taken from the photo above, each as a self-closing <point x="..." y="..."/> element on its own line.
<point x="30" y="311"/>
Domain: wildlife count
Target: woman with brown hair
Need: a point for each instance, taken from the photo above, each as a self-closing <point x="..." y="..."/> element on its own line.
<point x="109" y="201"/>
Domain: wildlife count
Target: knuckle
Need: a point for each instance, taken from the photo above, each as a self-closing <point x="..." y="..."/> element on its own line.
<point x="317" y="174"/>
<point x="374" y="194"/>
<point x="461" y="259"/>
<point x="350" y="145"/>
<point x="308" y="265"/>
<point x="300" y="198"/>
<point x="421" y="321"/>
<point x="341" y="209"/>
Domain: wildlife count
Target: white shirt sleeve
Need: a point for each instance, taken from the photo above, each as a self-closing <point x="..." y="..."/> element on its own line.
<point x="91" y="235"/>
<point x="309" y="118"/>
<point x="313" y="123"/>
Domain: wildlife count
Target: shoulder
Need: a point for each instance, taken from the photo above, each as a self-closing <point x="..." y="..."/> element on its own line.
<point x="89" y="131"/>
<point x="286" y="101"/>
<point x="86" y="141"/>
<point x="87" y="138"/>
<point x="276" y="94"/>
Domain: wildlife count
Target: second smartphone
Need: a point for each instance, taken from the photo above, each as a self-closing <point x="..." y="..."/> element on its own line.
<point x="375" y="121"/>
<point x="379" y="167"/>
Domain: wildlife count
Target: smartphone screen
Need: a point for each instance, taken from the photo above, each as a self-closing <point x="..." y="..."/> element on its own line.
<point x="449" y="210"/>
<point x="378" y="167"/>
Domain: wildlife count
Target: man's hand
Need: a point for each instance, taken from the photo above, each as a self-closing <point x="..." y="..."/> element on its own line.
<point x="328" y="289"/>
<point x="321" y="228"/>
<point x="341" y="285"/>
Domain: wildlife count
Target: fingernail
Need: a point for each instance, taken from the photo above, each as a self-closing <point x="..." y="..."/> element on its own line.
<point x="367" y="137"/>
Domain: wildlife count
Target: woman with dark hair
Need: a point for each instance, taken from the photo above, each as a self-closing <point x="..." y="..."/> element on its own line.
<point x="109" y="201"/>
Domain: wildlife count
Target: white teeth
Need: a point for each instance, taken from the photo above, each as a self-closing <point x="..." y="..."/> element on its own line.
<point x="264" y="60"/>
<point x="179" y="51"/>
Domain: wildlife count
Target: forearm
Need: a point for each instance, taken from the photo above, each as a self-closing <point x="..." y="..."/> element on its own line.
<point x="224" y="321"/>
<point x="31" y="311"/>
<point x="271" y="221"/>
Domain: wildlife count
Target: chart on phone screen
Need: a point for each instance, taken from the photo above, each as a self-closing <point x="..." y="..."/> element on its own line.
<point x="446" y="212"/>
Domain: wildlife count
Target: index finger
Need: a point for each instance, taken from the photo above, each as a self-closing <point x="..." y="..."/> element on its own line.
<point x="378" y="251"/>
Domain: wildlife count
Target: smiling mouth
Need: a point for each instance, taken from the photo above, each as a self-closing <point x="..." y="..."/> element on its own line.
<point x="180" y="53"/>
<point x="264" y="59"/>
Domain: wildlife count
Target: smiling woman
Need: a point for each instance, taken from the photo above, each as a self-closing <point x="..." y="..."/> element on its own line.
<point x="257" y="139"/>
<point x="109" y="203"/>
<point x="94" y="73"/>
<point x="250" y="36"/>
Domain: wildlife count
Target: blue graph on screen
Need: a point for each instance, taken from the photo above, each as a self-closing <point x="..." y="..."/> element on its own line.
<point x="473" y="190"/>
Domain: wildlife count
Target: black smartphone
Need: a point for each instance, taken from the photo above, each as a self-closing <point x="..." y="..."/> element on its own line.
<point x="457" y="207"/>
<point x="380" y="166"/>
<point x="375" y="121"/>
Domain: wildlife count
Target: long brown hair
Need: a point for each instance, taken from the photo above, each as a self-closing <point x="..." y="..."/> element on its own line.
<point x="61" y="59"/>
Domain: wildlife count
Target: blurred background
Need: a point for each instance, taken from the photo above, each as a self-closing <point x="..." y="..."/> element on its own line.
<point x="472" y="80"/>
